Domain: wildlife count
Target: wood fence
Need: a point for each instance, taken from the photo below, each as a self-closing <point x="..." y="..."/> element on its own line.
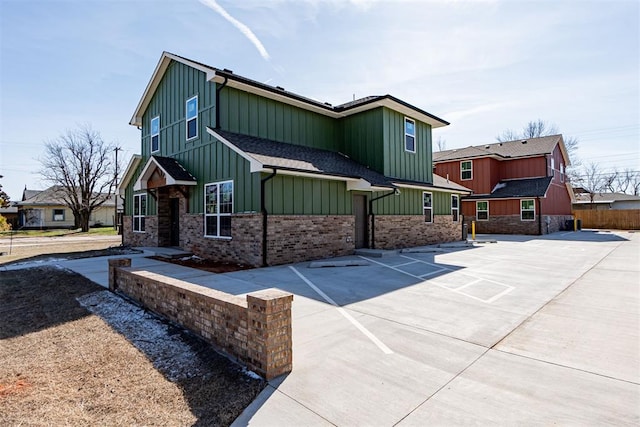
<point x="623" y="219"/>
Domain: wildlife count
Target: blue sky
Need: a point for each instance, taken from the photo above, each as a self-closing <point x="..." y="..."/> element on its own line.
<point x="484" y="66"/>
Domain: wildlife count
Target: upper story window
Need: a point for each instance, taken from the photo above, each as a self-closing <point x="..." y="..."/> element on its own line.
<point x="218" y="207"/>
<point x="409" y="135"/>
<point x="561" y="172"/>
<point x="191" y="117"/>
<point x="427" y="206"/>
<point x="455" y="207"/>
<point x="553" y="167"/>
<point x="139" y="211"/>
<point x="482" y="211"/>
<point x="466" y="170"/>
<point x="155" y="134"/>
<point x="527" y="210"/>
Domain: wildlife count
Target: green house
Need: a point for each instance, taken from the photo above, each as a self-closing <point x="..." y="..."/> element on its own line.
<point x="236" y="170"/>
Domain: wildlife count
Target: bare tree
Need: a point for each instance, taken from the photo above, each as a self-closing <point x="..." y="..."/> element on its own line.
<point x="79" y="163"/>
<point x="539" y="128"/>
<point x="441" y="144"/>
<point x="592" y="180"/>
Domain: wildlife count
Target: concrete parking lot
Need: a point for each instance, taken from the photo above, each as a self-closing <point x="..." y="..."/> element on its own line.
<point x="526" y="331"/>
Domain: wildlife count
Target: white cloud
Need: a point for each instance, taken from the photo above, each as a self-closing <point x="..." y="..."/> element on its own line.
<point x="246" y="31"/>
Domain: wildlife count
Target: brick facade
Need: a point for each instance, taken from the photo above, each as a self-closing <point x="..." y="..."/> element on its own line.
<point x="148" y="238"/>
<point x="404" y="231"/>
<point x="256" y="329"/>
<point x="511" y="224"/>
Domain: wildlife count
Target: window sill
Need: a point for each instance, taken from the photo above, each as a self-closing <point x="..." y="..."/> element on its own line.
<point x="218" y="237"/>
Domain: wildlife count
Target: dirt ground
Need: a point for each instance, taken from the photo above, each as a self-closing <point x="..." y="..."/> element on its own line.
<point x="72" y="353"/>
<point x="67" y="247"/>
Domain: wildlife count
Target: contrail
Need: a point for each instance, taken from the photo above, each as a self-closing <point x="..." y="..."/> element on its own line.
<point x="239" y="25"/>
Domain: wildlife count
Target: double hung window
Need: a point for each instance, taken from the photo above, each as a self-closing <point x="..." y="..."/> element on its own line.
<point x="527" y="210"/>
<point x="427" y="206"/>
<point x="218" y="207"/>
<point x="455" y="207"/>
<point x="155" y="134"/>
<point x="191" y="117"/>
<point x="139" y="211"/>
<point x="409" y="135"/>
<point x="482" y="211"/>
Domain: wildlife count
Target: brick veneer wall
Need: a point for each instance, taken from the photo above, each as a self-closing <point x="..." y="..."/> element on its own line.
<point x="511" y="224"/>
<point x="148" y="238"/>
<point x="255" y="330"/>
<point x="297" y="238"/>
<point x="403" y="231"/>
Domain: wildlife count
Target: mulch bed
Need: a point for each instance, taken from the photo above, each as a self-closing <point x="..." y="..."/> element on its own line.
<point x="72" y="353"/>
<point x="205" y="264"/>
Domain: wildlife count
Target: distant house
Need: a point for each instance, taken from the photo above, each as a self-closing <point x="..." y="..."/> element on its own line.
<point x="605" y="201"/>
<point x="519" y="187"/>
<point x="46" y="209"/>
<point x="236" y="170"/>
<point x="10" y="214"/>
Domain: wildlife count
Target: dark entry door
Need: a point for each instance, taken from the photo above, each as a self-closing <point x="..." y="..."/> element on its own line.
<point x="360" y="213"/>
<point x="174" y="219"/>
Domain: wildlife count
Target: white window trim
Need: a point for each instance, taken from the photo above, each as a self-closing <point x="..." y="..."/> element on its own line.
<point x="430" y="208"/>
<point x="186" y="118"/>
<point x="528" y="210"/>
<point x="415" y="139"/>
<point x="217" y="215"/>
<point x="553" y="167"/>
<point x="455" y="196"/>
<point x="155" y="134"/>
<point x="470" y="170"/>
<point x="478" y="210"/>
<point x="136" y="201"/>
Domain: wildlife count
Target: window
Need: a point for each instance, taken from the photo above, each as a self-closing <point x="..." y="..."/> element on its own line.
<point x="527" y="210"/>
<point x="139" y="212"/>
<point x="553" y="167"/>
<point x="155" y="134"/>
<point x="455" y="207"/>
<point x="218" y="207"/>
<point x="192" y="118"/>
<point x="58" y="214"/>
<point x="409" y="135"/>
<point x="561" y="172"/>
<point x="427" y="206"/>
<point x="466" y="169"/>
<point x="482" y="211"/>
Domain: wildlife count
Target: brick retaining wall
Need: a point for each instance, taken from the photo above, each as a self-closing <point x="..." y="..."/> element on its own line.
<point x="256" y="330"/>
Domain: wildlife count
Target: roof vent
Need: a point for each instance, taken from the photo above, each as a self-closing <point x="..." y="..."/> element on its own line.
<point x="524" y="141"/>
<point x="328" y="103"/>
<point x="226" y="70"/>
<point x="279" y="87"/>
<point x="486" y="147"/>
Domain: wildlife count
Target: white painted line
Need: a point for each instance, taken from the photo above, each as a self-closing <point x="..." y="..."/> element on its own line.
<point x="457" y="290"/>
<point x="365" y="331"/>
<point x="406" y="263"/>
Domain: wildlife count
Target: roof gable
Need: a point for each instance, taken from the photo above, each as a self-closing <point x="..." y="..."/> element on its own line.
<point x="279" y="94"/>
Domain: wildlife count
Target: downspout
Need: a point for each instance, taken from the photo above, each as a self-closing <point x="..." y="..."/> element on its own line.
<point x="539" y="217"/>
<point x="263" y="209"/>
<point x="373" y="217"/>
<point x="218" y="89"/>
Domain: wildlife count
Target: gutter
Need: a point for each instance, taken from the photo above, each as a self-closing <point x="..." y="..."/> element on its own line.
<point x="539" y="216"/>
<point x="373" y="217"/>
<point x="263" y="209"/>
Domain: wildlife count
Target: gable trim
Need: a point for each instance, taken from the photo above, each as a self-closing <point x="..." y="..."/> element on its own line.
<point x="128" y="173"/>
<point x="150" y="167"/>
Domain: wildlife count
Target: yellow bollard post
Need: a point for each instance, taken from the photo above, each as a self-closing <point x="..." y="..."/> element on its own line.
<point x="575" y="224"/>
<point x="473" y="230"/>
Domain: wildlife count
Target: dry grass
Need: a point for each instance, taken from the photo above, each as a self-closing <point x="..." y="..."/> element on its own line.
<point x="62" y="365"/>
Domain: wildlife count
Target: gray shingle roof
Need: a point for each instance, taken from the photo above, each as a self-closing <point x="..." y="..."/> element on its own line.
<point x="504" y="150"/>
<point x="305" y="159"/>
<point x="54" y="196"/>
<point x="606" y="198"/>
<point x="517" y="188"/>
<point x="173" y="168"/>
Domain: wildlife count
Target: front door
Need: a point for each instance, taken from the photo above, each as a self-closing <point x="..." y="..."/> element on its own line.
<point x="360" y="213"/>
<point x="174" y="221"/>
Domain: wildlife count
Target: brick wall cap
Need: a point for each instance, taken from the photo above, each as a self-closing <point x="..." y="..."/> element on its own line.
<point x="271" y="294"/>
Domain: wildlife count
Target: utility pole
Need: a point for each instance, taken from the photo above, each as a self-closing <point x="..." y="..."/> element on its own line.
<point x="115" y="192"/>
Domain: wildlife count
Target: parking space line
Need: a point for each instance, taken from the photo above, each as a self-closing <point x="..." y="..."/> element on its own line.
<point x="327" y="298"/>
<point x="406" y="263"/>
<point x="457" y="290"/>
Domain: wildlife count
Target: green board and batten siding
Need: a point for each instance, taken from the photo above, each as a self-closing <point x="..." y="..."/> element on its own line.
<point x="374" y="138"/>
